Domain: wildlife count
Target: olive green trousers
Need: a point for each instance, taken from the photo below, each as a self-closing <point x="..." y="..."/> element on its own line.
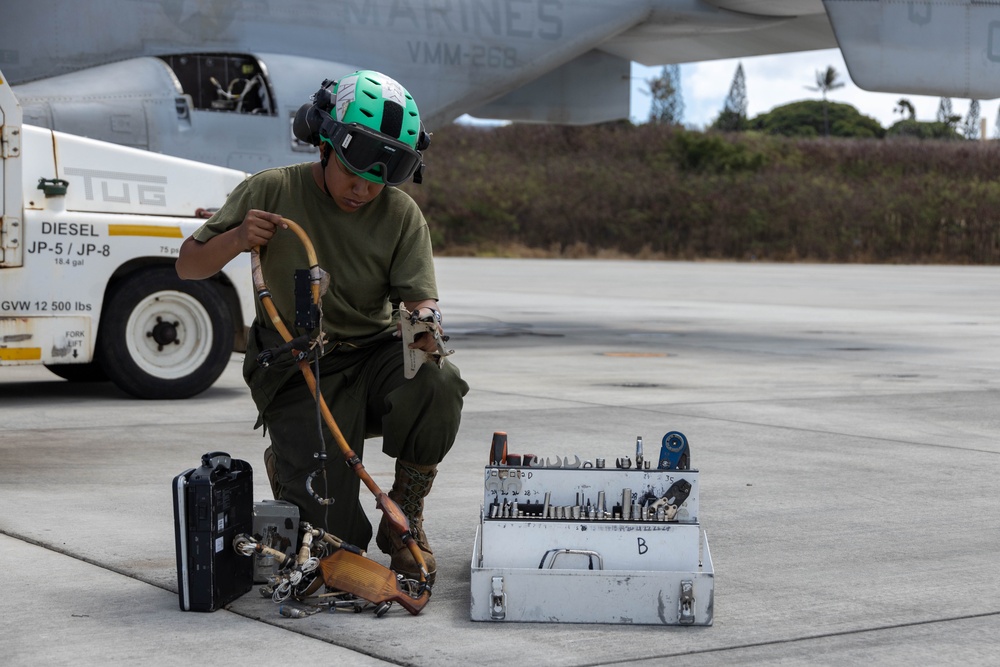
<point x="368" y="396"/>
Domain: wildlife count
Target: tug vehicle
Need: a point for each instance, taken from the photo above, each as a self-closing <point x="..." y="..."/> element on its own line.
<point x="89" y="233"/>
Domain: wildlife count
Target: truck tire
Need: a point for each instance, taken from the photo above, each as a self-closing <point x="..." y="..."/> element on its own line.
<point x="91" y="372"/>
<point x="162" y="337"/>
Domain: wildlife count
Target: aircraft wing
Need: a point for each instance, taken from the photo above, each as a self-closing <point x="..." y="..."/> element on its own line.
<point x="684" y="32"/>
<point x="934" y="47"/>
<point x="93" y="72"/>
<point x="595" y="86"/>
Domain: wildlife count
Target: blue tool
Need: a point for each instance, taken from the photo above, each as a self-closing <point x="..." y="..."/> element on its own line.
<point x="674" y="452"/>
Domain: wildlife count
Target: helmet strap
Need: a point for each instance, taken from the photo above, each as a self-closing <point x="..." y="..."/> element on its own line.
<point x="324" y="160"/>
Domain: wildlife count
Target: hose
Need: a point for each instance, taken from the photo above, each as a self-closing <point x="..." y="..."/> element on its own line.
<point x="393" y="514"/>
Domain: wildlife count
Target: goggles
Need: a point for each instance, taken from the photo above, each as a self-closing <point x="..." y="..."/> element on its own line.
<point x="362" y="150"/>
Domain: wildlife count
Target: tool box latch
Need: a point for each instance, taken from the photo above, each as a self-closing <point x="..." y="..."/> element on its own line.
<point x="498" y="600"/>
<point x="685" y="604"/>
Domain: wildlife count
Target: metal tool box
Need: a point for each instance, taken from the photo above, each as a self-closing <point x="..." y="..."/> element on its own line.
<point x="548" y="550"/>
<point x="275" y="525"/>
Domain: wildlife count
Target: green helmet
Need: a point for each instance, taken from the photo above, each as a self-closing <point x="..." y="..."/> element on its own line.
<point x="378" y="103"/>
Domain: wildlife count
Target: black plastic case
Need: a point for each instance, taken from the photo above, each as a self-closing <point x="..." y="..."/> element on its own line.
<point x="212" y="504"/>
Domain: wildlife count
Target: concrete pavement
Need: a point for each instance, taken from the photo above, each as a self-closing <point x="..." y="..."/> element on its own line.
<point x="845" y="420"/>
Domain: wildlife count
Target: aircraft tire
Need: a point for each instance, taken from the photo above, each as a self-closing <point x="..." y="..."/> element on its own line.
<point x="162" y="337"/>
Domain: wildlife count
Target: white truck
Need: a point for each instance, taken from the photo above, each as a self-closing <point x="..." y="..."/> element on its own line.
<point x="89" y="235"/>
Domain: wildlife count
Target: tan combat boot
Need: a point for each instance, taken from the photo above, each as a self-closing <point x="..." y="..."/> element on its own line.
<point x="412" y="484"/>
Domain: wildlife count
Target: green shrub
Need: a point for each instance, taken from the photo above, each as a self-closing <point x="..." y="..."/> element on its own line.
<point x="661" y="192"/>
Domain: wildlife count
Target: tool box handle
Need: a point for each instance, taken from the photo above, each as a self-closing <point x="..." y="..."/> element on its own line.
<point x="549" y="559"/>
<point x="217" y="460"/>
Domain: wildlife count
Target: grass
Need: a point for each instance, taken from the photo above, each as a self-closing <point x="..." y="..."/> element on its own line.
<point x="654" y="192"/>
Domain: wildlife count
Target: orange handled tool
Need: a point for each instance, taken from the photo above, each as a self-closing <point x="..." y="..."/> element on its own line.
<point x="397" y="520"/>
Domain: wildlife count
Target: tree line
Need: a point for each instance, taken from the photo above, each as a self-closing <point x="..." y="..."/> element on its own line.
<point x="811" y="117"/>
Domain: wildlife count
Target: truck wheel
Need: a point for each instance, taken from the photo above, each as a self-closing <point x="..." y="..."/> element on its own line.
<point x="91" y="372"/>
<point x="163" y="337"/>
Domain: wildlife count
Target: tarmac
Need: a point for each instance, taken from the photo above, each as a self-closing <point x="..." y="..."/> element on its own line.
<point x="844" y="420"/>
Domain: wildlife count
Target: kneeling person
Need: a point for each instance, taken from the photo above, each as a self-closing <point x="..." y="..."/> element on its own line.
<point x="375" y="244"/>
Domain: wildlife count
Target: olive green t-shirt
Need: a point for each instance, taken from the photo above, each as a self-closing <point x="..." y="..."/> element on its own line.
<point x="375" y="255"/>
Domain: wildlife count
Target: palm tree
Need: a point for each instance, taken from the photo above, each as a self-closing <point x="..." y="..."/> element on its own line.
<point x="826" y="82"/>
<point x="904" y="106"/>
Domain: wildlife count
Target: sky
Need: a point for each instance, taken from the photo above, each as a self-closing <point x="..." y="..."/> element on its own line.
<point x="772" y="81"/>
